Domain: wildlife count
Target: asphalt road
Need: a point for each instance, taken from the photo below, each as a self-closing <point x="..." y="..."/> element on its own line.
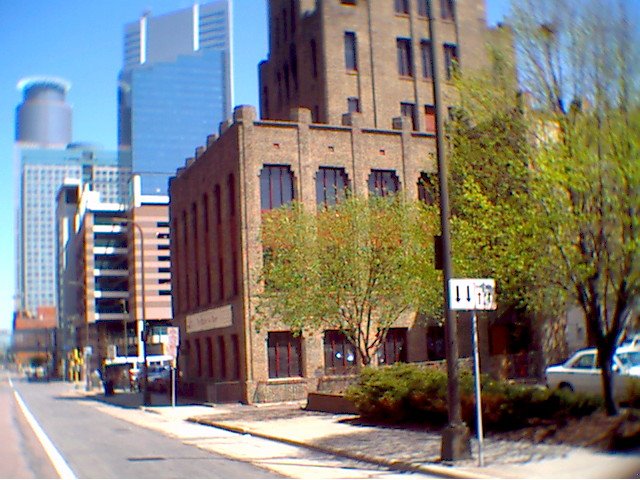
<point x="21" y="454"/>
<point x="97" y="445"/>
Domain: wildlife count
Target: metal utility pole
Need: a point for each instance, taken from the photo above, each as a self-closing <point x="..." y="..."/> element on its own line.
<point x="455" y="436"/>
<point x="142" y="324"/>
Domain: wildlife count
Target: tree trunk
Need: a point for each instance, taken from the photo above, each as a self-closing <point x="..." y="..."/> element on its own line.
<point x="605" y="357"/>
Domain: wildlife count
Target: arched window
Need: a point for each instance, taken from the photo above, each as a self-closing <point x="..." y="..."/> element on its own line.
<point x="331" y="185"/>
<point x="383" y="182"/>
<point x="276" y="186"/>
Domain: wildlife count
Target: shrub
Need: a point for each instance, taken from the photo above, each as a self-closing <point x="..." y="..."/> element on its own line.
<point x="633" y="393"/>
<point x="414" y="393"/>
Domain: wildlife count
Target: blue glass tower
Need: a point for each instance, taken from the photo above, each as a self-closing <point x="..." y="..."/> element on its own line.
<point x="175" y="88"/>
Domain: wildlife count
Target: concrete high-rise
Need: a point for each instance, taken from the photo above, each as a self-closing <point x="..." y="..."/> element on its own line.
<point x="175" y="88"/>
<point x="44" y="117"/>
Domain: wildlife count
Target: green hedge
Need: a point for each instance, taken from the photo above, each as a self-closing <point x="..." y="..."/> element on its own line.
<point x="413" y="393"/>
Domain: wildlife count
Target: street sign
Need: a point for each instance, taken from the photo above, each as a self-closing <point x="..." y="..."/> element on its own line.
<point x="472" y="294"/>
<point x="173" y="340"/>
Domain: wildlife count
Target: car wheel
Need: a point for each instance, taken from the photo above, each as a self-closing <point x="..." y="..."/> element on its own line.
<point x="566" y="387"/>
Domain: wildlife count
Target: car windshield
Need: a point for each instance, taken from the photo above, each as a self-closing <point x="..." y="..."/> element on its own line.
<point x="629" y="359"/>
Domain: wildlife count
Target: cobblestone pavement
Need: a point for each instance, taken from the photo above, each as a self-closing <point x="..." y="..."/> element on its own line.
<point x="419" y="449"/>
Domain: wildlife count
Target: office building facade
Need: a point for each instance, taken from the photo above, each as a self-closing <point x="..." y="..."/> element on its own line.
<point x="108" y="288"/>
<point x="175" y="88"/>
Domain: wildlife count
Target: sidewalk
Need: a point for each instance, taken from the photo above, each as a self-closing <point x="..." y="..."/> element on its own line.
<point x="397" y="448"/>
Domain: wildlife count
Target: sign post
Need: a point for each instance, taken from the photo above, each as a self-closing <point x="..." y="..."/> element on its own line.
<point x="173" y="340"/>
<point x="474" y="294"/>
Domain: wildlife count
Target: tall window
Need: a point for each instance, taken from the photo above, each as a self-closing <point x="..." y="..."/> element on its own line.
<point x="409" y="110"/>
<point x="427" y="64"/>
<point x="423" y="8"/>
<point x="435" y="342"/>
<point x="428" y="188"/>
<point x="450" y="59"/>
<point x="209" y="357"/>
<point x="217" y="200"/>
<point x="207" y="245"/>
<point x="383" y="182"/>
<point x="235" y="345"/>
<point x="339" y="353"/>
<point x="331" y="185"/>
<point x="231" y="190"/>
<point x="447" y="9"/>
<point x="403" y="46"/>
<point x="350" y="51"/>
<point x="276" y="186"/>
<point x="314" y="58"/>
<point x="198" y="358"/>
<point x="353" y="104"/>
<point x="285" y="355"/>
<point x="196" y="250"/>
<point x="223" y="358"/>
<point x="393" y="349"/>
<point x="429" y="118"/>
<point x="401" y="6"/>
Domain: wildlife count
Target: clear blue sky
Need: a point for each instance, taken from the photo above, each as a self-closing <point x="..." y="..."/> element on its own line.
<point x="81" y="41"/>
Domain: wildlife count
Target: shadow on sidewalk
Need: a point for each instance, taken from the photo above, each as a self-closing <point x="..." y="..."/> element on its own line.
<point x="132" y="400"/>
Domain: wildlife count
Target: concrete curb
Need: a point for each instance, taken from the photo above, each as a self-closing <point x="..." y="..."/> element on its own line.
<point x="444" y="472"/>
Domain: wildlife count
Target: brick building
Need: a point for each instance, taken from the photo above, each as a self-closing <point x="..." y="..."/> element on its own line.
<point x="346" y="100"/>
<point x="216" y="206"/>
<point x="373" y="57"/>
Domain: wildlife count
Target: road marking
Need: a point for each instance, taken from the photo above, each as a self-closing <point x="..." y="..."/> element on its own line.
<point x="52" y="452"/>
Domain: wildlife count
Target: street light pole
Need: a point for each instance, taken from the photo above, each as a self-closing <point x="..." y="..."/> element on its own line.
<point x="142" y="329"/>
<point x="455" y="436"/>
<point x="146" y="397"/>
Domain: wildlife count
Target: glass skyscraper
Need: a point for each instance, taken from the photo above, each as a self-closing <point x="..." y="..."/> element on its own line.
<point x="175" y="88"/>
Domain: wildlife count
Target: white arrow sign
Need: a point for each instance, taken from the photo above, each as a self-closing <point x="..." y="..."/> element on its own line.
<point x="472" y="294"/>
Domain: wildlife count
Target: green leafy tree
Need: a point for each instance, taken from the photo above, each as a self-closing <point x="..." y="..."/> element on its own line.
<point x="357" y="266"/>
<point x="586" y="164"/>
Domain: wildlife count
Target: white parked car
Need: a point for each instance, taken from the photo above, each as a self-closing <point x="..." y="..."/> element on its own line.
<point x="582" y="373"/>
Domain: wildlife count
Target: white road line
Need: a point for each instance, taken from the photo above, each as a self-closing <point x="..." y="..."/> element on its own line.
<point x="58" y="462"/>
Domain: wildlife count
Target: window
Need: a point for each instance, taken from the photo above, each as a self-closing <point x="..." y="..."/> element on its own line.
<point x="409" y="110"/>
<point x="430" y="118"/>
<point x="435" y="342"/>
<point x="331" y="185"/>
<point x="447" y="9"/>
<point x="198" y="358"/>
<point x="285" y="356"/>
<point x="285" y="74"/>
<point x="423" y="8"/>
<point x="401" y="6"/>
<point x="393" y="349"/>
<point x="209" y="357"/>
<point x="339" y="353"/>
<point x="350" y="51"/>
<point x="450" y="59"/>
<point x="223" y="358"/>
<point x="235" y="345"/>
<point x="231" y="189"/>
<point x="428" y="188"/>
<point x="276" y="186"/>
<point x="383" y="182"/>
<point x="586" y="361"/>
<point x="353" y="104"/>
<point x="427" y="64"/>
<point x="196" y="253"/>
<point x="349" y="2"/>
<point x="293" y="61"/>
<point x="403" y="46"/>
<point x="314" y="58"/>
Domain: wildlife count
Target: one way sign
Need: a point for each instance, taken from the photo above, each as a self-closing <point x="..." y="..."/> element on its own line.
<point x="472" y="294"/>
